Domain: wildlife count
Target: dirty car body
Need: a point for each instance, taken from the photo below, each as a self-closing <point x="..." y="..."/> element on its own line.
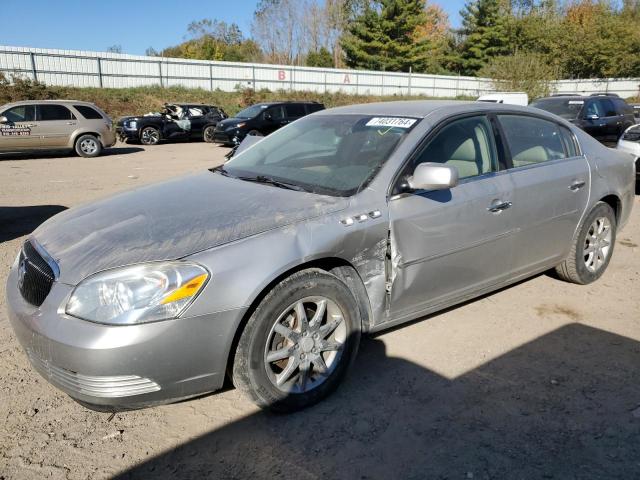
<point x="337" y="194"/>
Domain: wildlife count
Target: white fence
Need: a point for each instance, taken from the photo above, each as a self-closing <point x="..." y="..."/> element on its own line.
<point x="98" y="69"/>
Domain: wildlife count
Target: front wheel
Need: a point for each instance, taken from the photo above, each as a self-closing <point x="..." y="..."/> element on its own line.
<point x="592" y="248"/>
<point x="88" y="146"/>
<point x="150" y="136"/>
<point x="299" y="342"/>
<point x="208" y="134"/>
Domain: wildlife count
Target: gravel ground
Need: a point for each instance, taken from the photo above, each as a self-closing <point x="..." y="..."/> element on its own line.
<point x="539" y="380"/>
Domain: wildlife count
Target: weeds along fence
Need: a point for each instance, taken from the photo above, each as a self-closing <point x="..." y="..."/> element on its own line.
<point x="112" y="70"/>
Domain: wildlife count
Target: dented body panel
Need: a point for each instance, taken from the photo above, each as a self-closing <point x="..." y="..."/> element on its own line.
<point x="414" y="252"/>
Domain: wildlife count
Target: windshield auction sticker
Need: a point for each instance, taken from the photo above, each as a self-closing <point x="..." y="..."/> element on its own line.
<point x="11" y="131"/>
<point x="391" y="122"/>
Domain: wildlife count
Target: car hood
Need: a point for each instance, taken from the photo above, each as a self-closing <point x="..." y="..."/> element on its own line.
<point x="171" y="220"/>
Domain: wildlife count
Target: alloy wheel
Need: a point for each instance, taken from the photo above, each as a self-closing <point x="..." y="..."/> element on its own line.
<point x="89" y="146"/>
<point x="597" y="244"/>
<point x="305" y="344"/>
<point x="150" y="136"/>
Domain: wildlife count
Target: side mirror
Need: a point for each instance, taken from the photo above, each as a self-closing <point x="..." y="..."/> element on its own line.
<point x="593" y="117"/>
<point x="268" y="117"/>
<point x="433" y="176"/>
<point x="4" y="119"/>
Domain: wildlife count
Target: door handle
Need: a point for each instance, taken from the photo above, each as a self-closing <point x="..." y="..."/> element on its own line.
<point x="71" y="123"/>
<point x="575" y="186"/>
<point x="499" y="207"/>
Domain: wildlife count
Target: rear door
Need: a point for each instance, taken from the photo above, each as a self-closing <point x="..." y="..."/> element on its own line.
<point x="551" y="188"/>
<point x="294" y="111"/>
<point x="19" y="131"/>
<point x="448" y="243"/>
<point x="197" y="115"/>
<point x="56" y="123"/>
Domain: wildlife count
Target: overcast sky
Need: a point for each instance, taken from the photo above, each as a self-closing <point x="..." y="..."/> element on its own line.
<point x="96" y="25"/>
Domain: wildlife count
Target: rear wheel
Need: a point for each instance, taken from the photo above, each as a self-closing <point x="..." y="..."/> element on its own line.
<point x="88" y="146"/>
<point x="299" y="342"/>
<point x="209" y="133"/>
<point x="592" y="248"/>
<point x="150" y="136"/>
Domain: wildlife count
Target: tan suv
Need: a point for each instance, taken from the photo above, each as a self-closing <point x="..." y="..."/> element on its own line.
<point x="55" y="125"/>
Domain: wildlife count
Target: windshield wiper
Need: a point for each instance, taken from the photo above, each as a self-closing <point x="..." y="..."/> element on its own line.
<point x="274" y="182"/>
<point x="220" y="169"/>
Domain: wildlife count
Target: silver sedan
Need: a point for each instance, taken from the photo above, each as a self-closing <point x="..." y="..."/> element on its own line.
<point x="268" y="269"/>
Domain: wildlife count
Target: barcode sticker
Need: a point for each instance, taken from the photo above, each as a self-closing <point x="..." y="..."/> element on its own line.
<point x="391" y="122"/>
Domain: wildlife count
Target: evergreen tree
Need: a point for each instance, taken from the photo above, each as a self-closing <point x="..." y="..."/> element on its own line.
<point x="383" y="37"/>
<point x="484" y="33"/>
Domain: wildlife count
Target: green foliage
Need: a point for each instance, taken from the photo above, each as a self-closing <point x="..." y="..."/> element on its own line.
<point x="485" y="33"/>
<point x="321" y="58"/>
<point x="521" y="72"/>
<point x="383" y="37"/>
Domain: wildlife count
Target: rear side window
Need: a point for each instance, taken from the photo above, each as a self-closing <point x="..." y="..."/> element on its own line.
<point x="88" y="112"/>
<point x="569" y="141"/>
<point x="21" y="113"/>
<point x="54" y="112"/>
<point x="315" y="107"/>
<point x="532" y="140"/>
<point x="623" y="107"/>
<point x="295" y="110"/>
<point x="277" y="113"/>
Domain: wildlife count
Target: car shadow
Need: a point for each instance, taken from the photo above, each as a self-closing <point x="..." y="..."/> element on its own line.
<point x="18" y="221"/>
<point x="61" y="154"/>
<point x="565" y="405"/>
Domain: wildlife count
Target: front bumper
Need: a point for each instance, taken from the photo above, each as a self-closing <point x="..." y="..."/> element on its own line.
<point x="125" y="134"/>
<point x="230" y="138"/>
<point x="122" y="367"/>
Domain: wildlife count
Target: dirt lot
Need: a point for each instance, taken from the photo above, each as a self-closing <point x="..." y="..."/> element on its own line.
<point x="539" y="380"/>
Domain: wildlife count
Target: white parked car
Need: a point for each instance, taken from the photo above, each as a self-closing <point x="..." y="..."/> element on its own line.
<point x="509" y="98"/>
<point x="629" y="142"/>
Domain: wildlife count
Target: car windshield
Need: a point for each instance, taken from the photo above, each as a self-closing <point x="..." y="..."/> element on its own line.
<point x="327" y="154"/>
<point x="252" y="111"/>
<point x="567" y="108"/>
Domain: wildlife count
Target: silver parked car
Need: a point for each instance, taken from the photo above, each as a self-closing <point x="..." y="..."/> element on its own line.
<point x="55" y="125"/>
<point x="269" y="268"/>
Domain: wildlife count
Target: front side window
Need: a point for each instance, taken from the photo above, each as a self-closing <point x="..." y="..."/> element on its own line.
<point x="54" y="112"/>
<point x="532" y="140"/>
<point x="21" y="113"/>
<point x="466" y="144"/>
<point x="607" y="107"/>
<point x="276" y="113"/>
<point x="329" y="154"/>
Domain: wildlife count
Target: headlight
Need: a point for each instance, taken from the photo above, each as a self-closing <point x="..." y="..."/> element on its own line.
<point x="132" y="125"/>
<point x="137" y="294"/>
<point x="240" y="125"/>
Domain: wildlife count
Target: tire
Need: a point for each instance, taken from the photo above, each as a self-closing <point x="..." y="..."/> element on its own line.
<point x="592" y="248"/>
<point x="88" y="146"/>
<point x="275" y="329"/>
<point x="255" y="133"/>
<point x="150" y="136"/>
<point x="207" y="134"/>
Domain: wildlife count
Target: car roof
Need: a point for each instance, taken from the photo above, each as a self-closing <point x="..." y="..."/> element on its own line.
<point x="571" y="96"/>
<point x="61" y="102"/>
<point x="289" y="102"/>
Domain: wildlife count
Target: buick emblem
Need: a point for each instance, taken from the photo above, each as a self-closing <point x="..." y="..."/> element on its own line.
<point x="22" y="270"/>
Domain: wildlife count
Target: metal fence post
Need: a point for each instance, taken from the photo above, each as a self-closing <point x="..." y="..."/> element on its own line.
<point x="211" y="77"/>
<point x="99" y="71"/>
<point x="382" y="86"/>
<point x="357" y="82"/>
<point x="33" y="66"/>
<point x="253" y="75"/>
<point x="160" y="73"/>
<point x="410" y="81"/>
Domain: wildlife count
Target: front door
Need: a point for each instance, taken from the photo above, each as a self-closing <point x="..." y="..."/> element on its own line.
<point x="551" y="189"/>
<point x="19" y="132"/>
<point x="56" y="124"/>
<point x="274" y="118"/>
<point x="448" y="243"/>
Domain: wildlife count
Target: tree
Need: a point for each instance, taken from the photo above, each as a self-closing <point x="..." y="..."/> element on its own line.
<point x="484" y="33"/>
<point x="277" y="27"/>
<point x="114" y="49"/>
<point x="321" y="58"/>
<point x="383" y="37"/>
<point x="436" y="31"/>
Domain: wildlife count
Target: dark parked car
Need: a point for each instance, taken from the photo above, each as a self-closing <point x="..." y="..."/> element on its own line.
<point x="603" y="116"/>
<point x="262" y="119"/>
<point x="176" y="121"/>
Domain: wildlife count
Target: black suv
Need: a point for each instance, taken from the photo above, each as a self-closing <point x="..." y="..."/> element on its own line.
<point x="176" y="121"/>
<point x="603" y="116"/>
<point x="261" y="119"/>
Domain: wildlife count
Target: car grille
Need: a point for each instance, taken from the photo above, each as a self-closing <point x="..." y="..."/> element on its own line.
<point x="35" y="275"/>
<point x="95" y="386"/>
